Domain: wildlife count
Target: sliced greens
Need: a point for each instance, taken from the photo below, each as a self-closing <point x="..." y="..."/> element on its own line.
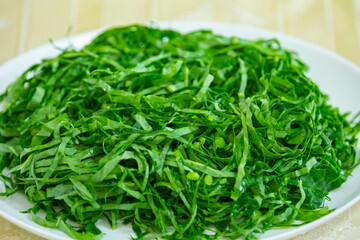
<point x="183" y="136"/>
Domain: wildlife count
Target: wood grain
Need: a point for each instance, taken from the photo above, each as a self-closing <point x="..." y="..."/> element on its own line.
<point x="47" y="19"/>
<point x="346" y="38"/>
<point x="10" y="27"/>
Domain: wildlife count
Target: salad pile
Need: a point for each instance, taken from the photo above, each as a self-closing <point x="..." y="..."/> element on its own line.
<point x="183" y="136"/>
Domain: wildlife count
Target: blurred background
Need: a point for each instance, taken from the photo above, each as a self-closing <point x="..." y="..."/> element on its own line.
<point x="333" y="24"/>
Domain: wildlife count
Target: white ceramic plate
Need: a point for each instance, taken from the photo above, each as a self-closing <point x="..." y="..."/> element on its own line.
<point x="336" y="76"/>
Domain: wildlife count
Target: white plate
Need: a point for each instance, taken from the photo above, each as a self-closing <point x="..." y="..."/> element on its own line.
<point x="336" y="76"/>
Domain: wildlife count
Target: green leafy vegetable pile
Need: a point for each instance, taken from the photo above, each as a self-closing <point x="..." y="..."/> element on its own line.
<point x="185" y="136"/>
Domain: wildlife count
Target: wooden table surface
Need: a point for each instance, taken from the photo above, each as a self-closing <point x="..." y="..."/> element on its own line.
<point x="333" y="24"/>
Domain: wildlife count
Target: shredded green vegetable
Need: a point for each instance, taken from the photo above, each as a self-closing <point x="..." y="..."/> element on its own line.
<point x="183" y="136"/>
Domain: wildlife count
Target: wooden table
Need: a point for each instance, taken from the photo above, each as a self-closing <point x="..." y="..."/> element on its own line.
<point x="333" y="24"/>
